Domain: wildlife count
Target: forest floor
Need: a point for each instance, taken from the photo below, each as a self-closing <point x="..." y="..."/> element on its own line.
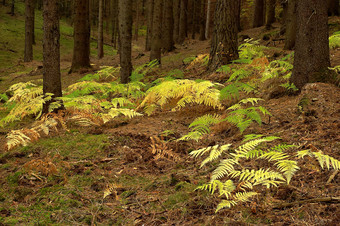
<point x="143" y="190"/>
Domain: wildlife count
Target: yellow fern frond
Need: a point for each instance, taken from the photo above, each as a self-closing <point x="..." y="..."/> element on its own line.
<point x="288" y="168"/>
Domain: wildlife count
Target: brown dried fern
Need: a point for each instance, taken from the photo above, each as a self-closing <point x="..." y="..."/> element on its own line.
<point x="160" y="149"/>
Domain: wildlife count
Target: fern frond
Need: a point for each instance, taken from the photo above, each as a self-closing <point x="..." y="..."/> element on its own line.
<point x="225" y="167"/>
<point x="253" y="101"/>
<point x="326" y="160"/>
<point x="288" y="168"/>
<point x="121" y="102"/>
<point x="115" y="112"/>
<point x="274" y="156"/>
<point x="215" y="152"/>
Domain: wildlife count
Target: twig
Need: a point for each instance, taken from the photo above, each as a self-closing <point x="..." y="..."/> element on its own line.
<point x="325" y="199"/>
<point x="332" y="176"/>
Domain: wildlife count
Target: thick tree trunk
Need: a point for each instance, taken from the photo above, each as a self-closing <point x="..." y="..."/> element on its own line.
<point x="156" y="43"/>
<point x="258" y="13"/>
<point x="29" y="30"/>
<point x="149" y="26"/>
<point x="311" y="48"/>
<point x="168" y="37"/>
<point x="176" y="10"/>
<point x="270" y="15"/>
<point x="51" y="51"/>
<point x="202" y="21"/>
<point x="224" y="44"/>
<point x="125" y="36"/>
<point x="81" y="50"/>
<point x="182" y="22"/>
<point x="291" y="25"/>
<point x="207" y="25"/>
<point x="100" y="30"/>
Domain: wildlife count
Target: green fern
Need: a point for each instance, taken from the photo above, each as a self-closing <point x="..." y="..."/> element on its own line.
<point x="334" y="41"/>
<point x="201" y="126"/>
<point x="251" y="50"/>
<point x="181" y="93"/>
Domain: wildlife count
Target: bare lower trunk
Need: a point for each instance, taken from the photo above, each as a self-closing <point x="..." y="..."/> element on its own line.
<point x="51" y="52"/>
<point x="176" y="13"/>
<point x="207" y="25"/>
<point x="29" y="30"/>
<point x="100" y="30"/>
<point x="81" y="50"/>
<point x="270" y="15"/>
<point x="156" y="43"/>
<point x="291" y="25"/>
<point x="182" y="22"/>
<point x="125" y="36"/>
<point x="258" y="13"/>
<point x="311" y="59"/>
<point x="168" y="28"/>
<point x="149" y="26"/>
<point x="202" y="21"/>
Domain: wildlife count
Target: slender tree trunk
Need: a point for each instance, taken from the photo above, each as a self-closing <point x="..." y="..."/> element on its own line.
<point x="137" y="20"/>
<point x="270" y="18"/>
<point x="258" y="13"/>
<point x="202" y="21"/>
<point x="114" y="23"/>
<point x="239" y="2"/>
<point x="182" y="22"/>
<point x="100" y="30"/>
<point x="51" y="52"/>
<point x="194" y="19"/>
<point x="156" y="43"/>
<point x="107" y="16"/>
<point x="207" y="25"/>
<point x="3" y="2"/>
<point x="81" y="36"/>
<point x="33" y="23"/>
<point x="149" y="26"/>
<point x="125" y="36"/>
<point x="312" y="58"/>
<point x="29" y="30"/>
<point x="176" y="10"/>
<point x="224" y="43"/>
<point x="12" y="7"/>
<point x="291" y="25"/>
<point x="168" y="37"/>
<point x="283" y="16"/>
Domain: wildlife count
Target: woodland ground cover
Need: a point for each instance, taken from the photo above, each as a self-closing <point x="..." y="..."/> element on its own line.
<point x="119" y="170"/>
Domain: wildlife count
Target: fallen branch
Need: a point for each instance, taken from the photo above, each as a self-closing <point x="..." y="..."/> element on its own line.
<point x="332" y="176"/>
<point x="325" y="199"/>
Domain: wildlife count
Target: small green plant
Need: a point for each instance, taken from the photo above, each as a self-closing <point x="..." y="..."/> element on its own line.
<point x="251" y="50"/>
<point x="103" y="74"/>
<point x="334" y="40"/>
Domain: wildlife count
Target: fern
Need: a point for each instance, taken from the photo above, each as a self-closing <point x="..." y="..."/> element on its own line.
<point x="334" y="41"/>
<point x="201" y="126"/>
<point x="324" y="160"/>
<point x="251" y="49"/>
<point x="215" y="152"/>
<point x="183" y="93"/>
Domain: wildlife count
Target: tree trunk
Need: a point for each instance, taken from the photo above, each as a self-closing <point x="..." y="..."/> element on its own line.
<point x="239" y="2"/>
<point x="224" y="44"/>
<point x="33" y="23"/>
<point x="81" y="50"/>
<point x="125" y="36"/>
<point x="12" y="7"/>
<point x="182" y="22"/>
<point x="114" y="23"/>
<point x="137" y="20"/>
<point x="202" y="21"/>
<point x="333" y="7"/>
<point x="194" y="19"/>
<point x="3" y="2"/>
<point x="176" y="10"/>
<point x="51" y="52"/>
<point x="258" y="13"/>
<point x="270" y="18"/>
<point x="311" y="48"/>
<point x="100" y="30"/>
<point x="29" y="30"/>
<point x="168" y="37"/>
<point x="207" y="25"/>
<point x="156" y="43"/>
<point x="290" y="25"/>
<point x="149" y="26"/>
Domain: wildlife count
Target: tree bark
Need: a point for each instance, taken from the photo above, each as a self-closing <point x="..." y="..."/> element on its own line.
<point x="29" y="30"/>
<point x="311" y="47"/>
<point x="182" y="22"/>
<point x="176" y="12"/>
<point x="207" y="25"/>
<point x="168" y="37"/>
<point x="114" y="18"/>
<point x="12" y="7"/>
<point x="149" y="26"/>
<point x="258" y="13"/>
<point x="224" y="44"/>
<point x="137" y="20"/>
<point x="202" y="21"/>
<point x="100" y="30"/>
<point x="290" y="25"/>
<point x="270" y="15"/>
<point x="156" y="43"/>
<point x="51" y="52"/>
<point x="81" y="36"/>
<point x="125" y="36"/>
